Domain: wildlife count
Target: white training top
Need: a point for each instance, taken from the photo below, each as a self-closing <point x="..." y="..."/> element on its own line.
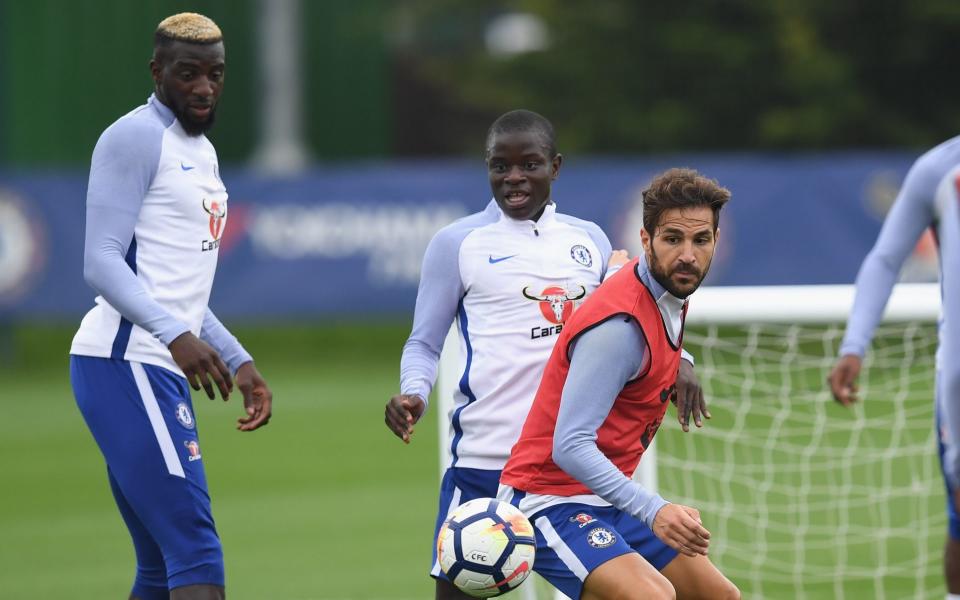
<point x="510" y="285"/>
<point x="147" y="170"/>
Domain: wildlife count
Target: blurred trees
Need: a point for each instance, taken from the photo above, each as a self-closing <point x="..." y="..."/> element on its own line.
<point x="628" y="76"/>
<point x="419" y="78"/>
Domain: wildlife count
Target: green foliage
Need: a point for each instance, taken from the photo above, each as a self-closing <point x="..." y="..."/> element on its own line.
<point x="626" y="76"/>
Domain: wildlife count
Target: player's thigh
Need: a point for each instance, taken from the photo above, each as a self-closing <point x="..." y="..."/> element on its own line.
<point x="953" y="517"/>
<point x="573" y="541"/>
<point x="460" y="485"/>
<point x="695" y="577"/>
<point x="142" y="418"/>
<point x="626" y="577"/>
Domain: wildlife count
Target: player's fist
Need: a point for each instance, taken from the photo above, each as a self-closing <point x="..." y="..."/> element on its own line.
<point x="402" y="413"/>
<point x="843" y="379"/>
<point x="679" y="527"/>
<point x="200" y="363"/>
<point x="618" y="258"/>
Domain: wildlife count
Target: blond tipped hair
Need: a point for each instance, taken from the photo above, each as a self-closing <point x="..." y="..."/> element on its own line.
<point x="189" y="27"/>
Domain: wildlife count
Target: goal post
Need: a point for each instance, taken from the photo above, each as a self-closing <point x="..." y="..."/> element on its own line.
<point x="804" y="498"/>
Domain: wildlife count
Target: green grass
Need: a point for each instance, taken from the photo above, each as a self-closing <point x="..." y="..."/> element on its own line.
<point x="805" y="499"/>
<point x="323" y="503"/>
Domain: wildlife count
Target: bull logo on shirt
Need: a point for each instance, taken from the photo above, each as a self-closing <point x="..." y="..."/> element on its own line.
<point x="218" y="214"/>
<point x="556" y="303"/>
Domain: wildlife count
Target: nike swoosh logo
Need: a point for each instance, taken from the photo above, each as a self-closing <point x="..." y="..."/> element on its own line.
<point x="185" y="167"/>
<point x="494" y="261"/>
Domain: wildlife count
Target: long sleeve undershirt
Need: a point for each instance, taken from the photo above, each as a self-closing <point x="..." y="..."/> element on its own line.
<point x="603" y="360"/>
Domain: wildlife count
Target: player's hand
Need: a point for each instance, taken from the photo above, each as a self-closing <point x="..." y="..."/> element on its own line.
<point x="688" y="397"/>
<point x="402" y="413"/>
<point x="843" y="379"/>
<point x="257" y="398"/>
<point x="618" y="258"/>
<point x="200" y="363"/>
<point x="680" y="528"/>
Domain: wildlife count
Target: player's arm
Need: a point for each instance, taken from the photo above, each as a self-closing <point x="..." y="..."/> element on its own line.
<point x="438" y="295"/>
<point x="912" y="212"/>
<point x="948" y="367"/>
<point x="123" y="166"/>
<point x="257" y="397"/>
<point x="603" y="360"/>
<point x="688" y="396"/>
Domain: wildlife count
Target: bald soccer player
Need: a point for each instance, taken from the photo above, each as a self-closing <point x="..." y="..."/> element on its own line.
<point x="156" y="211"/>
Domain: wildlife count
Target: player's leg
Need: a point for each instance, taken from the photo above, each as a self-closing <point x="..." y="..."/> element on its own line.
<point x="692" y="577"/>
<point x="581" y="553"/>
<point x="150" y="582"/>
<point x="198" y="592"/>
<point x="951" y="548"/>
<point x="99" y="387"/>
<point x="459" y="485"/>
<point x="626" y="577"/>
<point x="696" y="578"/>
<point x="142" y="419"/>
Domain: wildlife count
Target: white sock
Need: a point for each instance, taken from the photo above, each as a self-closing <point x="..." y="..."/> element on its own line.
<point x="953" y="596"/>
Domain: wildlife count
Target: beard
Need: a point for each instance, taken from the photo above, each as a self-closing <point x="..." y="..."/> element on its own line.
<point x="192" y="126"/>
<point x="664" y="277"/>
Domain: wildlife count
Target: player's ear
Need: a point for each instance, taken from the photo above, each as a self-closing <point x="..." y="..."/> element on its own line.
<point x="555" y="163"/>
<point x="155" y="70"/>
<point x="645" y="238"/>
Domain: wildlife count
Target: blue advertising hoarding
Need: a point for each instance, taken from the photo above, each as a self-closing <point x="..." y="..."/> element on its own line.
<point x="347" y="240"/>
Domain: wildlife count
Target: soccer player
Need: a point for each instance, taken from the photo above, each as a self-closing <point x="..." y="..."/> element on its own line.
<point x="600" y="534"/>
<point x="156" y="211"/>
<point x="929" y="198"/>
<point x="511" y="275"/>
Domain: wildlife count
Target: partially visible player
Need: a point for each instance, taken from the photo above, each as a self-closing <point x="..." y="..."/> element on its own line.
<point x="600" y="534"/>
<point x="929" y="198"/>
<point x="156" y="211"/>
<point x="510" y="275"/>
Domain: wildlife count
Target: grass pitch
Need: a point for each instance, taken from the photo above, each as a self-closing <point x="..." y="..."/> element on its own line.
<point x="805" y="499"/>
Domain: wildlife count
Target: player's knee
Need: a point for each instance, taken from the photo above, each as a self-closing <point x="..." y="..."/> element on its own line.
<point x="728" y="592"/>
<point x="655" y="587"/>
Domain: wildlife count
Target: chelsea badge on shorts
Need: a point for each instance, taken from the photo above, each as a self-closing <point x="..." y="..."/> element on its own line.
<point x="185" y="416"/>
<point x="601" y="538"/>
<point x="581" y="255"/>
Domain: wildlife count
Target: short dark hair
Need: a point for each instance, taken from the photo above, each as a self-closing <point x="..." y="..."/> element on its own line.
<point x="524" y="120"/>
<point x="681" y="188"/>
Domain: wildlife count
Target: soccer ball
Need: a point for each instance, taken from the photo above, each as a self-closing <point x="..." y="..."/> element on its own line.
<point x="486" y="547"/>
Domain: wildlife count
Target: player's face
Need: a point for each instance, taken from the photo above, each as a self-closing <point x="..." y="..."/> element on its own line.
<point x="681" y="250"/>
<point x="520" y="173"/>
<point x="189" y="79"/>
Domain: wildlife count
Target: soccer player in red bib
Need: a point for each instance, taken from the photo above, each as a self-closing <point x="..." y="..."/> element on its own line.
<point x="604" y="393"/>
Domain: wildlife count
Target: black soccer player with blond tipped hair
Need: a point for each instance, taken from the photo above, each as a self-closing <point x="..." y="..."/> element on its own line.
<point x="156" y="209"/>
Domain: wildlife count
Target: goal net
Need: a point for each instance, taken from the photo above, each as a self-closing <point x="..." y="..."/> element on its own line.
<point x="805" y="498"/>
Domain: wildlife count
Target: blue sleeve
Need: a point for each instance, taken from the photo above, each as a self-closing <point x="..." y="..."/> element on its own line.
<point x="438" y="296"/>
<point x="604" y="359"/>
<point x="911" y="213"/>
<point x="123" y="166"/>
<point x="220" y="339"/>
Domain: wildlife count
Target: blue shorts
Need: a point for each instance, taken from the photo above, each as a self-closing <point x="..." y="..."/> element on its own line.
<point x="142" y="419"/>
<point x="574" y="539"/>
<point x="953" y="520"/>
<point x="460" y="485"/>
